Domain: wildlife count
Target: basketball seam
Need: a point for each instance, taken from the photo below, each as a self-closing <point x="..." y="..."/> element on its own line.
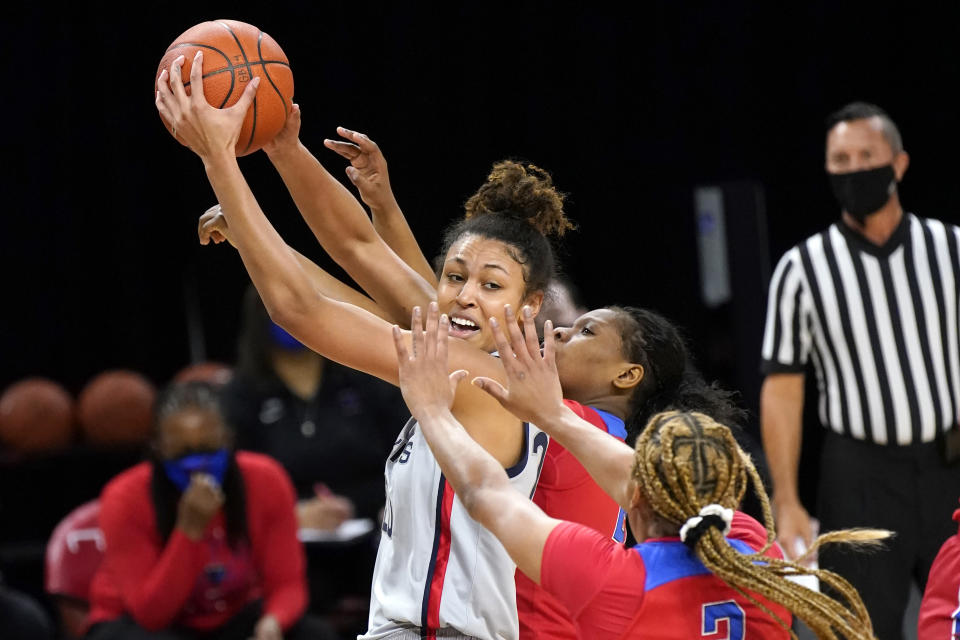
<point x="229" y="68"/>
<point x="266" y="74"/>
<point x="246" y="61"/>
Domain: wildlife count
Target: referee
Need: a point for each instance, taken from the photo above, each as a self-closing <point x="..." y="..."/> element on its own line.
<point x="872" y="301"/>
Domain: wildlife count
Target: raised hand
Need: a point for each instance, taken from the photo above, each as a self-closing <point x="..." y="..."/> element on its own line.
<point x="533" y="391"/>
<point x="289" y="136"/>
<point x="426" y="385"/>
<point x="205" y="129"/>
<point x="213" y="226"/>
<point x="367" y="170"/>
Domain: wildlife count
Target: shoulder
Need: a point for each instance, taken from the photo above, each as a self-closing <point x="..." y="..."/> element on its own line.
<point x="259" y="467"/>
<point x="750" y="531"/>
<point x="267" y="484"/>
<point x="572" y="542"/>
<point x="941" y="230"/>
<point x="133" y="482"/>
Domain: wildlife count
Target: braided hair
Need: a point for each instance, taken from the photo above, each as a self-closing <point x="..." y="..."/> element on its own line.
<point x="685" y="461"/>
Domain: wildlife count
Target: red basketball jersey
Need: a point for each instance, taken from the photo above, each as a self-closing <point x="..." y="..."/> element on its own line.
<point x="940" y="609"/>
<point x="657" y="589"/>
<point x="567" y="492"/>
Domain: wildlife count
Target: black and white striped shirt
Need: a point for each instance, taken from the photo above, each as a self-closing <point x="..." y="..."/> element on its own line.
<point x="879" y="323"/>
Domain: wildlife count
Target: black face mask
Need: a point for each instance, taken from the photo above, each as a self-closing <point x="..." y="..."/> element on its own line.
<point x="861" y="193"/>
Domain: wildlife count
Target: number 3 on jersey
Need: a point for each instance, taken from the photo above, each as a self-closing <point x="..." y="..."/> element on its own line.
<point x="717" y="615"/>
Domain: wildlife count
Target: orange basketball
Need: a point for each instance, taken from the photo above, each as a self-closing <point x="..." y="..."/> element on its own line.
<point x="116" y="408"/>
<point x="36" y="414"/>
<point x="233" y="54"/>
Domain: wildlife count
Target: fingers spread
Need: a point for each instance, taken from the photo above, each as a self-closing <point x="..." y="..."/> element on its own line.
<point x="176" y="82"/>
<point x="196" y="78"/>
<point x="248" y="95"/>
<point x="400" y="345"/>
<point x="548" y="343"/>
<point x="430" y="348"/>
<point x="530" y="333"/>
<point x="503" y="346"/>
<point x="492" y="387"/>
<point x="516" y="336"/>
<point x="345" y="149"/>
<point x="416" y="332"/>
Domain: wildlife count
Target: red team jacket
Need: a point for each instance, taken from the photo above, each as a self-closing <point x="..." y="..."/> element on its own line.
<point x="199" y="584"/>
<point x="567" y="492"/>
<point x="940" y="609"/>
<point x="657" y="589"/>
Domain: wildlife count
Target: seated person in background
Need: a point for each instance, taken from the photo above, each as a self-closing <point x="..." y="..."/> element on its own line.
<point x="329" y="426"/>
<point x="201" y="542"/>
<point x="940" y="608"/>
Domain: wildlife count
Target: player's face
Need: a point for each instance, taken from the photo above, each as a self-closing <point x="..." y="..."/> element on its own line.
<point x="590" y="355"/>
<point x="858" y="145"/>
<point x="189" y="431"/>
<point x="479" y="277"/>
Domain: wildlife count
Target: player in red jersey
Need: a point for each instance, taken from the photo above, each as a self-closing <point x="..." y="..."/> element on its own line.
<point x="940" y="608"/>
<point x="699" y="571"/>
<point x="635" y="366"/>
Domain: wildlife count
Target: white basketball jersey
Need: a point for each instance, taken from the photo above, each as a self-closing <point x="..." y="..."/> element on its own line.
<point x="438" y="571"/>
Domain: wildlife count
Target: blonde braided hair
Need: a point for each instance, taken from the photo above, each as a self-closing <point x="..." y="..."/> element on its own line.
<point x="685" y="461"/>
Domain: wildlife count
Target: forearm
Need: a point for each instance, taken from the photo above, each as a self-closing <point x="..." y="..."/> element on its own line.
<point x="781" y="423"/>
<point x="336" y="218"/>
<point x="475" y="475"/>
<point x="334" y="289"/>
<point x="275" y="271"/>
<point x="391" y="225"/>
<point x="342" y="227"/>
<point x="608" y="460"/>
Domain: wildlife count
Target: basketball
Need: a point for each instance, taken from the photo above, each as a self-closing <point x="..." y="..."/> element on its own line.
<point x="233" y="54"/>
<point x="116" y="409"/>
<point x="36" y="415"/>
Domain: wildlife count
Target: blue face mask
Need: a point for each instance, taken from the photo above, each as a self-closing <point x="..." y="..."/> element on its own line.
<point x="280" y="338"/>
<point x="180" y="469"/>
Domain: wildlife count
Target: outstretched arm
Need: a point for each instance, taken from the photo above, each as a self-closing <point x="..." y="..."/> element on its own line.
<point x="533" y="394"/>
<point x="342" y="227"/>
<point x="337" y="330"/>
<point x="213" y="227"/>
<point x="479" y="481"/>
<point x="368" y="173"/>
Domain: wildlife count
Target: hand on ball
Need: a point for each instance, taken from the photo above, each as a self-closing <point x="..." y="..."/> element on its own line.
<point x="206" y="130"/>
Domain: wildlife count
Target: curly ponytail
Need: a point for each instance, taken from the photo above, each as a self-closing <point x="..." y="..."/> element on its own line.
<point x="519" y="206"/>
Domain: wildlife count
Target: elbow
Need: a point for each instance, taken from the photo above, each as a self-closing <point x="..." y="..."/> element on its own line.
<point x="287" y="308"/>
<point x="484" y="503"/>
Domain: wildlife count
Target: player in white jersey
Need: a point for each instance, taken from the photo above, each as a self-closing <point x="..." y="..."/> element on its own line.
<point x="497" y="256"/>
<point x="446" y="569"/>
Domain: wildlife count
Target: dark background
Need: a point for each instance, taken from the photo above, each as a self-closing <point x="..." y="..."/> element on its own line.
<point x="629" y="109"/>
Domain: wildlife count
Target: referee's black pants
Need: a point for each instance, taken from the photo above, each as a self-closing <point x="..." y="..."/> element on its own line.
<point x="907" y="489"/>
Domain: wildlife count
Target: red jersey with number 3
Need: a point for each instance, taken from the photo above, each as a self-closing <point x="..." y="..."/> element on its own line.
<point x="658" y="589"/>
<point x="567" y="492"/>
